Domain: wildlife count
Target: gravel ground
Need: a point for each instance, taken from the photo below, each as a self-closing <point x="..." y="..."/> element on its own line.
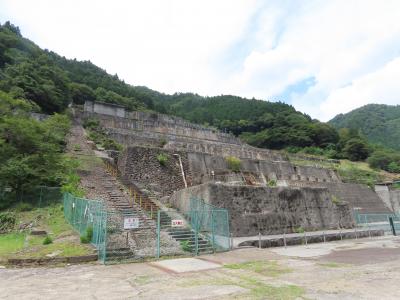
<point x="353" y="269"/>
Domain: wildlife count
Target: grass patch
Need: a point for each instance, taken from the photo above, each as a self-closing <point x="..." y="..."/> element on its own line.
<point x="333" y="265"/>
<point x="61" y="249"/>
<point x="141" y="280"/>
<point x="257" y="289"/>
<point x="50" y="218"/>
<point x="65" y="241"/>
<point x="266" y="268"/>
<point x="11" y="242"/>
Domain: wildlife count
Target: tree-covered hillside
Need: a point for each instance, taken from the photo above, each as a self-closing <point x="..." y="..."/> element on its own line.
<point x="52" y="82"/>
<point x="378" y="122"/>
<point x="265" y="124"/>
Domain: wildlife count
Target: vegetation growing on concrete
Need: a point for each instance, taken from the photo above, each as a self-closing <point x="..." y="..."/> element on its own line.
<point x="234" y="163"/>
<point x="266" y="268"/>
<point x="336" y="200"/>
<point x="252" y="276"/>
<point x="185" y="246"/>
<point x="162" y="158"/>
<point x="98" y="135"/>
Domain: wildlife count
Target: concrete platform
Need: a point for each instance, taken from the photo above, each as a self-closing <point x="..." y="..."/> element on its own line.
<point x="182" y="265"/>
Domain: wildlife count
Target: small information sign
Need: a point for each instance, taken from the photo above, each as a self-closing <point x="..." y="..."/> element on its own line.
<point x="176" y="223"/>
<point x="131" y="223"/>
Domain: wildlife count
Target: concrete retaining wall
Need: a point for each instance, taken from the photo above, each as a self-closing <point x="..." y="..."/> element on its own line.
<point x="391" y="197"/>
<point x="270" y="210"/>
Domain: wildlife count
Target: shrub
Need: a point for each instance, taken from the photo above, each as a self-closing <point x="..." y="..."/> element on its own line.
<point x="313" y="150"/>
<point x="393" y="167"/>
<point x="87" y="238"/>
<point x="356" y="149"/>
<point x="382" y="159"/>
<point x="162" y="159"/>
<point x="91" y="123"/>
<point x="7" y="221"/>
<point x="185" y="246"/>
<point x="23" y="206"/>
<point x="234" y="163"/>
<point x="77" y="147"/>
<point x="84" y="239"/>
<point x="110" y="144"/>
<point x="163" y="142"/>
<point x="299" y="230"/>
<point x="89" y="233"/>
<point x="272" y="183"/>
<point x="47" y="240"/>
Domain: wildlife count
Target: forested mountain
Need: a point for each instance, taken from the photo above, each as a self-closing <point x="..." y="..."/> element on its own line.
<point x="378" y="122"/>
<point x="52" y="82"/>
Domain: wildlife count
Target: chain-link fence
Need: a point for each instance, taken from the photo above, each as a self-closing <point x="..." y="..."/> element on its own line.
<point x="137" y="235"/>
<point x="379" y="221"/>
<point x="39" y="196"/>
<point x="212" y="221"/>
<point x="89" y="219"/>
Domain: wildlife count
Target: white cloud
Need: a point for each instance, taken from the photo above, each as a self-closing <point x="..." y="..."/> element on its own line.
<point x="249" y="48"/>
<point x="166" y="45"/>
<point x="381" y="86"/>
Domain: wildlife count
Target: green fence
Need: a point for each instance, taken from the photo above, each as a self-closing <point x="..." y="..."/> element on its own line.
<point x="378" y="221"/>
<point x="39" y="196"/>
<point x="210" y="221"/>
<point x="82" y="214"/>
<point x="132" y="235"/>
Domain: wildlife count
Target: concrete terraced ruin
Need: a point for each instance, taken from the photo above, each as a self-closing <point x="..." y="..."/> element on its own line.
<point x="267" y="194"/>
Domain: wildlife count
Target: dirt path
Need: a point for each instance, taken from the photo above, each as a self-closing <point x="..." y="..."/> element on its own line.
<point x="304" y="272"/>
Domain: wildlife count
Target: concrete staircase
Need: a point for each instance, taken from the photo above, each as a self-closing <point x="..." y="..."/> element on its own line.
<point x="184" y="235"/>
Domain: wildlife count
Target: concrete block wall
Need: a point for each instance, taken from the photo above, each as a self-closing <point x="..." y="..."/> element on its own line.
<point x="270" y="210"/>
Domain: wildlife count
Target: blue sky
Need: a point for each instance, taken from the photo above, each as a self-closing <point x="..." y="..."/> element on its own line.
<point x="323" y="57"/>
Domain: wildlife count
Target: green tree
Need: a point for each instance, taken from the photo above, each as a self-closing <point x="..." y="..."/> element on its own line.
<point x="356" y="149"/>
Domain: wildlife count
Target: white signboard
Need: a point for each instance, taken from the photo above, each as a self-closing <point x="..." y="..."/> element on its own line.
<point x="131" y="223"/>
<point x="176" y="223"/>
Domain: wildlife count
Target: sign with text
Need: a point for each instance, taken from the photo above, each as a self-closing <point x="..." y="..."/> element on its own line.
<point x="131" y="223"/>
<point x="176" y="223"/>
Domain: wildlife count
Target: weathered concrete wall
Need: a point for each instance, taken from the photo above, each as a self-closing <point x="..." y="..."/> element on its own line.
<point x="117" y="118"/>
<point x="105" y="109"/>
<point x="203" y="165"/>
<point x="361" y="197"/>
<point x="224" y="149"/>
<point x="270" y="210"/>
<point x="140" y="165"/>
<point x="391" y="197"/>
